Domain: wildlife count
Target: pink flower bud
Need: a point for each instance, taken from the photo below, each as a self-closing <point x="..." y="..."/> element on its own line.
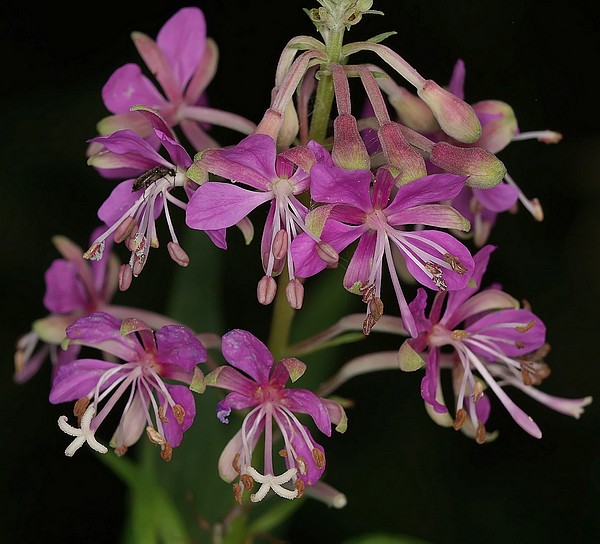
<point x="484" y="169"/>
<point x="412" y="111"/>
<point x="400" y="154"/>
<point x="349" y="150"/>
<point x="456" y="117"/>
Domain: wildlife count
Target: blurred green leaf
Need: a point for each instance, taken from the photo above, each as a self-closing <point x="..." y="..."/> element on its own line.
<point x="383" y="538"/>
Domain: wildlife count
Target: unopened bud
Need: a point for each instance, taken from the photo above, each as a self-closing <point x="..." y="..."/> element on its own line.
<point x="484" y="169"/>
<point x="266" y="289"/>
<point x="401" y="155"/>
<point x="178" y="254"/>
<point x="349" y="150"/>
<point x="294" y="292"/>
<point x="456" y="117"/>
<point x="412" y="111"/>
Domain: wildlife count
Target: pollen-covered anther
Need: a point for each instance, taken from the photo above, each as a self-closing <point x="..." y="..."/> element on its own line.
<point x="121" y="450"/>
<point x="80" y="407"/>
<point x="367" y="292"/>
<point x="235" y="463"/>
<point x="247" y="481"/>
<point x="166" y="452"/>
<point x="368" y="324"/>
<point x="95" y="252"/>
<point x="459" y="334"/>
<point x="238" y="490"/>
<point x="280" y="244"/>
<point x="161" y="414"/>
<point x="477" y="392"/>
<point x="282" y="453"/>
<point x="459" y="420"/>
<point x="301" y="465"/>
<point x="525" y="375"/>
<point x="526" y="327"/>
<point x="480" y="434"/>
<point x="154" y="436"/>
<point x="299" y="485"/>
<point x="455" y="263"/>
<point x="319" y="458"/>
<point x="376" y="308"/>
<point x="437" y="275"/>
<point x="179" y="413"/>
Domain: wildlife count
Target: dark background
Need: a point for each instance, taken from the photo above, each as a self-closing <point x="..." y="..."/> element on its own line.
<point x="401" y="472"/>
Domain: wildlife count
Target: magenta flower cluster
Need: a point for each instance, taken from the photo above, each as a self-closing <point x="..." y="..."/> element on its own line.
<point x="400" y="193"/>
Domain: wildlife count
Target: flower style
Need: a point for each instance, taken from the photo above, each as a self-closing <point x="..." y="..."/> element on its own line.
<point x="488" y="334"/>
<point x="134" y="205"/>
<point x="215" y="205"/>
<point x="255" y="381"/>
<point x="379" y="215"/>
<point x="499" y="128"/>
<point x="164" y="409"/>
<point x="74" y="287"/>
<point x="183" y="62"/>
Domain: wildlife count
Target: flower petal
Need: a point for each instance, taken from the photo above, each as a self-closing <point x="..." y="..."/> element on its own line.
<point x="126" y="87"/>
<point x="172" y="428"/>
<point x="216" y="205"/>
<point x="333" y="185"/>
<point x="247" y="353"/>
<point x="306" y="402"/>
<point x="77" y="379"/>
<point x="359" y="268"/>
<point x="431" y="215"/>
<point x="64" y="293"/>
<point x="178" y="345"/>
<point x="499" y="198"/>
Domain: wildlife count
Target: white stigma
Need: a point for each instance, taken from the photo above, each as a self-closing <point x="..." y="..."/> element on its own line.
<point x="270" y="481"/>
<point x="83" y="434"/>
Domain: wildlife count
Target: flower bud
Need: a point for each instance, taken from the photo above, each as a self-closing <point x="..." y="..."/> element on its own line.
<point x="400" y="155"/>
<point x="349" y="150"/>
<point x="484" y="169"/>
<point x="456" y="117"/>
<point x="412" y="111"/>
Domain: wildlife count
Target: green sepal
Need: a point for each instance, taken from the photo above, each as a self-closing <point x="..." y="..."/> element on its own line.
<point x="383" y="36"/>
<point x="408" y="358"/>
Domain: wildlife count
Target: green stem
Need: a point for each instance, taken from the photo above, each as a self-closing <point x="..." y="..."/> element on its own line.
<point x="281" y="323"/>
<point x="325" y="92"/>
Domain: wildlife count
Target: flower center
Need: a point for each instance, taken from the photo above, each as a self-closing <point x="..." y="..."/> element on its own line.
<point x="377" y="220"/>
<point x="281" y="187"/>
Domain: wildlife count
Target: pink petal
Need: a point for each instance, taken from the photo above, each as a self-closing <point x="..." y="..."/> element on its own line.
<point x="64" y="292"/>
<point x="178" y="345"/>
<point x="247" y="353"/>
<point x="499" y="198"/>
<point x="332" y="185"/>
<point x="172" y="428"/>
<point x="359" y="269"/>
<point x="182" y="39"/>
<point x="306" y="402"/>
<point x="216" y="205"/>
<point x="457" y="81"/>
<point x="126" y="87"/>
<point x="77" y="379"/>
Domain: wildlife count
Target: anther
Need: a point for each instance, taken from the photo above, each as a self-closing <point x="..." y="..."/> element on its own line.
<point x="161" y="414"/>
<point x="376" y="308"/>
<point x="367" y="292"/>
<point x="368" y="325"/>
<point x="166" y="452"/>
<point x="121" y="450"/>
<point x="280" y="244"/>
<point x="525" y="328"/>
<point x="266" y="289"/>
<point x="247" y="481"/>
<point x="179" y="413"/>
<point x="319" y="458"/>
<point x="282" y="453"/>
<point x="461" y="417"/>
<point x="480" y="434"/>
<point x="301" y="465"/>
<point x="459" y="334"/>
<point x="294" y="293"/>
<point x="95" y="252"/>
<point x="477" y="392"/>
<point x="455" y="263"/>
<point x="124" y="230"/>
<point x="237" y="493"/>
<point x="328" y="254"/>
<point x="235" y="463"/>
<point x="154" y="436"/>
<point x="299" y="485"/>
<point x="80" y="408"/>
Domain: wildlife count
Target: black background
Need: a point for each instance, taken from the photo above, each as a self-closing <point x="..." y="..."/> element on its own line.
<point x="400" y="471"/>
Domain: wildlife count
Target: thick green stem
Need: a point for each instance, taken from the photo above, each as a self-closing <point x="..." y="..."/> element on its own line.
<point x="324" y="97"/>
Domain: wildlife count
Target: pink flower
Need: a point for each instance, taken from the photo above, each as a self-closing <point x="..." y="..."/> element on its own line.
<point x="257" y="383"/>
<point x="493" y="343"/>
<point x="165" y="410"/>
<point x="378" y="215"/>
<point x="183" y="62"/>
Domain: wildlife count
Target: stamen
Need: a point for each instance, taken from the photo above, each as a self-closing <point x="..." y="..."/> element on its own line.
<point x="247" y="481"/>
<point x="80" y="407"/>
<point x="455" y="263"/>
<point x="480" y="435"/>
<point x="319" y="458"/>
<point x="302" y="466"/>
<point x="525" y="328"/>
<point x="299" y="485"/>
<point x="437" y="275"/>
<point x="235" y="463"/>
<point x="154" y="436"/>
<point x="477" y="392"/>
<point x="166" y="452"/>
<point x="461" y="417"/>
<point x="161" y="414"/>
<point x="368" y="324"/>
<point x="283" y="453"/>
<point x="179" y="413"/>
<point x="95" y="252"/>
<point x="237" y="493"/>
<point x="376" y="308"/>
<point x="459" y="334"/>
<point x="121" y="450"/>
